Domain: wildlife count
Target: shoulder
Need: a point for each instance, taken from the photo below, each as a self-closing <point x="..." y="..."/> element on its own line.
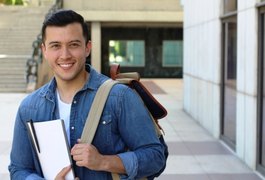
<point x="97" y="79"/>
<point x="120" y="89"/>
<point x="34" y="99"/>
<point x="123" y="93"/>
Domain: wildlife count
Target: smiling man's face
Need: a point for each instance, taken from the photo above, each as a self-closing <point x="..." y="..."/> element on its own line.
<point x="65" y="50"/>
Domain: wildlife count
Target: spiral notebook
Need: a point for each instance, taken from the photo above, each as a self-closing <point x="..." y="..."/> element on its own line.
<point x="50" y="143"/>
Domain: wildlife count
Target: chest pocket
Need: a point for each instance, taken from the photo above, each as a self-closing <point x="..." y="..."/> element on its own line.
<point x="103" y="137"/>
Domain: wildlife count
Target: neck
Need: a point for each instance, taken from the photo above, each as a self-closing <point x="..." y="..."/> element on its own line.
<point x="68" y="89"/>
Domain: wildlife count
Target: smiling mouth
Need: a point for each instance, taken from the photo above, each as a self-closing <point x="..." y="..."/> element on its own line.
<point x="66" y="65"/>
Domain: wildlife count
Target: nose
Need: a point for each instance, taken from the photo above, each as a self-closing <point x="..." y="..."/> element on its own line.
<point x="65" y="53"/>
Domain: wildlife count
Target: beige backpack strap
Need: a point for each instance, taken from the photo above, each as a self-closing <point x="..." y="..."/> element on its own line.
<point x="96" y="111"/>
<point x="95" y="114"/>
<point x="115" y="176"/>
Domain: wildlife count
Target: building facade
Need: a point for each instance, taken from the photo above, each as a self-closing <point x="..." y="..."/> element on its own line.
<point x="143" y="36"/>
<point x="224" y="74"/>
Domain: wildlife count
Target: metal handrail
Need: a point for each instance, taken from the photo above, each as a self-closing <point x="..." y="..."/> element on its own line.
<point x="36" y="56"/>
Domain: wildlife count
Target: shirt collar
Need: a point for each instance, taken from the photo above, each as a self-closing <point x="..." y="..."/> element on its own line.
<point x="94" y="81"/>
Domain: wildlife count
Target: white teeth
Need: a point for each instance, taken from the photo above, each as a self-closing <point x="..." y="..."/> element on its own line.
<point x="65" y="65"/>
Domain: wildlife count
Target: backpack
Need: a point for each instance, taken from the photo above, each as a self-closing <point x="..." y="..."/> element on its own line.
<point x="132" y="79"/>
<point x="157" y="111"/>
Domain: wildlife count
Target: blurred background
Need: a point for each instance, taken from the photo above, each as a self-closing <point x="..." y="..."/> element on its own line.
<point x="208" y="56"/>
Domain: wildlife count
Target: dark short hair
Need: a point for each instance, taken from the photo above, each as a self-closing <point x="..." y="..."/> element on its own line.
<point x="62" y="18"/>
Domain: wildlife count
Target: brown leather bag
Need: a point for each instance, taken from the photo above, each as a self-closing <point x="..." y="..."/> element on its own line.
<point x="157" y="111"/>
<point x="132" y="79"/>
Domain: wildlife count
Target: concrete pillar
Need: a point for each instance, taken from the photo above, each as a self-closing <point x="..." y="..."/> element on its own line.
<point x="96" y="45"/>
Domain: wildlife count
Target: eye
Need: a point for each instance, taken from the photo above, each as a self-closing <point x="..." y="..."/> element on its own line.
<point x="54" y="46"/>
<point x="74" y="45"/>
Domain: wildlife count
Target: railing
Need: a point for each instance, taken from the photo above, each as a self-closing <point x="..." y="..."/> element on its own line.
<point x="35" y="60"/>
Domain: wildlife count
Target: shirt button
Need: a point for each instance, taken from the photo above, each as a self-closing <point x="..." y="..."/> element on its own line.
<point x="72" y="127"/>
<point x="104" y="122"/>
<point x="74" y="101"/>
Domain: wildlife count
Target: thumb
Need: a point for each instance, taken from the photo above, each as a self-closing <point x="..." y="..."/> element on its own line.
<point x="63" y="172"/>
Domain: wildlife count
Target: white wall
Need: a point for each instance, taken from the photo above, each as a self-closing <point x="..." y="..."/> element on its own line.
<point x="202" y="70"/>
<point x="247" y="82"/>
<point x="202" y="57"/>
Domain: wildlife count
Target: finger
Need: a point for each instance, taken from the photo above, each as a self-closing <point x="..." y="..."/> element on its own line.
<point x="77" y="149"/>
<point x="80" y="163"/>
<point x="78" y="157"/>
<point x="63" y="172"/>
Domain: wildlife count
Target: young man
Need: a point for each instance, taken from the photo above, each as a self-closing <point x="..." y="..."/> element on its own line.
<point x="124" y="124"/>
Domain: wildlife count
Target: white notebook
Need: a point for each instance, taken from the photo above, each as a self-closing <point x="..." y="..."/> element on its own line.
<point x="50" y="142"/>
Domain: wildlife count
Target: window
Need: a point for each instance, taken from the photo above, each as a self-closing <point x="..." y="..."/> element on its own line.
<point x="261" y="92"/>
<point x="140" y="49"/>
<point x="172" y="53"/>
<point x="230" y="6"/>
<point x="229" y="82"/>
<point x="229" y="71"/>
<point x="127" y="52"/>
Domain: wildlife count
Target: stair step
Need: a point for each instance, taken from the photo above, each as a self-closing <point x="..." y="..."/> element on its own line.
<point x="13" y="65"/>
<point x="12" y="73"/>
<point x="17" y="35"/>
<point x="12" y="80"/>
<point x="12" y="89"/>
<point x="13" y="84"/>
<point x="18" y="61"/>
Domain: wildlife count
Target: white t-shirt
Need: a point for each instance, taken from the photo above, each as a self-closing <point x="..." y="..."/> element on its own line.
<point x="64" y="112"/>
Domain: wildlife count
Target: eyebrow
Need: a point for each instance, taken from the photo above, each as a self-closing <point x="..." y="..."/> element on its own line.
<point x="57" y="42"/>
<point x="75" y="41"/>
<point x="53" y="42"/>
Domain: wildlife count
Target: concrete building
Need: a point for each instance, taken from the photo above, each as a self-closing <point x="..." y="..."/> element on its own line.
<point x="143" y="36"/>
<point x="224" y="73"/>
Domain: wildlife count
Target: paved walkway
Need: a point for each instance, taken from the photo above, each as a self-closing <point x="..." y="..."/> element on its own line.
<point x="194" y="154"/>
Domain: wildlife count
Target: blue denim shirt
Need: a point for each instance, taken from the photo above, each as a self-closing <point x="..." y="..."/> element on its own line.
<point x="125" y="124"/>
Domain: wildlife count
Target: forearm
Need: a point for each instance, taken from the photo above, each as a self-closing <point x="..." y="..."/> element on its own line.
<point x="17" y="173"/>
<point x="22" y="159"/>
<point x="137" y="163"/>
<point x="113" y="164"/>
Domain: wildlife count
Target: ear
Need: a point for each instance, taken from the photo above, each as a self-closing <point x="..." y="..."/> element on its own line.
<point x="43" y="48"/>
<point x="88" y="48"/>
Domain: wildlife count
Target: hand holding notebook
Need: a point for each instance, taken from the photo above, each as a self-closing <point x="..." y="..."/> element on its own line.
<point x="51" y="146"/>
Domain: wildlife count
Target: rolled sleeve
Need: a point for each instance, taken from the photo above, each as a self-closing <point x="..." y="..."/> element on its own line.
<point x="130" y="162"/>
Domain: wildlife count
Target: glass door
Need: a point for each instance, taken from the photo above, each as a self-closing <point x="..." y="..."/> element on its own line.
<point x="153" y="52"/>
<point x="229" y="81"/>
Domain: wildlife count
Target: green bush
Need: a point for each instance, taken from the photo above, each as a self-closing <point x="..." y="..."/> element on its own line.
<point x="8" y="2"/>
<point x="13" y="2"/>
<point x="19" y="2"/>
